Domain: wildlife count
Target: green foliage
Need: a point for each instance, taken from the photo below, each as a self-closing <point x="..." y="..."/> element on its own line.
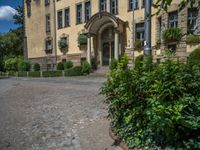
<point x="76" y="71"/>
<point x="113" y="64"/>
<point x="60" y="66"/>
<point x="155" y="109"/>
<point x="82" y="39"/>
<point x="94" y="63"/>
<point x="62" y="43"/>
<point x="138" y="45"/>
<point x="172" y="35"/>
<point x="69" y="64"/>
<point x="11" y="64"/>
<point x="86" y="68"/>
<point x="123" y="63"/>
<point x="194" y="58"/>
<point x="192" y="39"/>
<point x="139" y="61"/>
<point x="52" y="73"/>
<point x="24" y="65"/>
<point x="36" y="67"/>
<point x="34" y="74"/>
<point x="22" y="74"/>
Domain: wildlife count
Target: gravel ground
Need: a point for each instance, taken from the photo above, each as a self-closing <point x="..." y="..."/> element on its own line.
<point x="53" y="114"/>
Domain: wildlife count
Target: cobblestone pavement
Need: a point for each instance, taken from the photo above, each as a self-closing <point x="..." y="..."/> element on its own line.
<point x="53" y="114"/>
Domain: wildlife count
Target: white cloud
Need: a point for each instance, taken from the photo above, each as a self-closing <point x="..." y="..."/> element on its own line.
<point x="7" y="13"/>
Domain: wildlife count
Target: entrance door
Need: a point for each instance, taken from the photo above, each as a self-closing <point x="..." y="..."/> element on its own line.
<point x="106" y="53"/>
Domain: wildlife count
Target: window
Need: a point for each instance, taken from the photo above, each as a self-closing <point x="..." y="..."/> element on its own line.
<point x="143" y="3"/>
<point x="172" y="47"/>
<point x="67" y="17"/>
<point x="192" y="20"/>
<point x="87" y="11"/>
<point x="133" y="3"/>
<point x="28" y="4"/>
<point x="48" y="27"/>
<point x="102" y="5"/>
<point x="114" y="7"/>
<point x="47" y="2"/>
<point x="79" y="13"/>
<point x="173" y="19"/>
<point x="48" y="45"/>
<point x="140" y="32"/>
<point x="60" y="20"/>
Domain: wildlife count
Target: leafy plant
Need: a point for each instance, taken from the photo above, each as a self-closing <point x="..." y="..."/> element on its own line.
<point x="62" y="43"/>
<point x="68" y="64"/>
<point x="82" y="39"/>
<point x="36" y="67"/>
<point x="113" y="64"/>
<point x="60" y="66"/>
<point x="192" y="38"/>
<point x="24" y="65"/>
<point x="138" y="45"/>
<point x="172" y="35"/>
<point x="94" y="64"/>
<point x="194" y="58"/>
<point x="86" y="68"/>
<point x="139" y="61"/>
<point x="11" y="64"/>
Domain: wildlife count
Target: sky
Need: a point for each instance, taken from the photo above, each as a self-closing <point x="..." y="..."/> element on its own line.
<point x="7" y="10"/>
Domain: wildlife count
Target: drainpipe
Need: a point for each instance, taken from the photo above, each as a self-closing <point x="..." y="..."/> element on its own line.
<point x="147" y="43"/>
<point x="25" y="47"/>
<point x="133" y="26"/>
<point x="55" y="35"/>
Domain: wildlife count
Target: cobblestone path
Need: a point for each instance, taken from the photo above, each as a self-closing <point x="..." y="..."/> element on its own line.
<point x="53" y="114"/>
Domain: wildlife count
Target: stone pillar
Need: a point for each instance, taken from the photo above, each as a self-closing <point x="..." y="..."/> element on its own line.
<point x="100" y="50"/>
<point x="92" y="47"/>
<point x="108" y="5"/>
<point x="89" y="49"/>
<point x="116" y="45"/>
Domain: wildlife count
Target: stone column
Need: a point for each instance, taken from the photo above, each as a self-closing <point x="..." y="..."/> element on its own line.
<point x="89" y="49"/>
<point x="92" y="47"/>
<point x="116" y="45"/>
<point x="100" y="50"/>
<point x="108" y="5"/>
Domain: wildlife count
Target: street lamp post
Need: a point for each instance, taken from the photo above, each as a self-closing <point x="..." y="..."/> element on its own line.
<point x="147" y="43"/>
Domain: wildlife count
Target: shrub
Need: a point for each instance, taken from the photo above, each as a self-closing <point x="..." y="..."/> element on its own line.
<point x="22" y="74"/>
<point x="69" y="64"/>
<point x="82" y="39"/>
<point x="60" y="66"/>
<point x="192" y="38"/>
<point x="172" y="35"/>
<point x="24" y="65"/>
<point x="76" y="71"/>
<point x="138" y="45"/>
<point x="11" y="64"/>
<point x="86" y="68"/>
<point x="34" y="74"/>
<point x="155" y="109"/>
<point x="94" y="63"/>
<point x="52" y="73"/>
<point x="62" y="43"/>
<point x="139" y="60"/>
<point x="194" y="58"/>
<point x="113" y="64"/>
<point x="36" y="67"/>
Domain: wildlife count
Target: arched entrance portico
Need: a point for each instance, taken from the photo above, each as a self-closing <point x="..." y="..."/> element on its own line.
<point x="105" y="37"/>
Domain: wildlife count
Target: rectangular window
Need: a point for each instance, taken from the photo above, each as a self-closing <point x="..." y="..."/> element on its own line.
<point x="79" y="13"/>
<point x="48" y="24"/>
<point x="60" y="24"/>
<point x="102" y="5"/>
<point x="140" y="32"/>
<point x="114" y="7"/>
<point x="173" y="20"/>
<point x="67" y="17"/>
<point x="192" y="20"/>
<point x="47" y="2"/>
<point x="49" y="44"/>
<point x="133" y="3"/>
<point x="28" y="7"/>
<point x="87" y="11"/>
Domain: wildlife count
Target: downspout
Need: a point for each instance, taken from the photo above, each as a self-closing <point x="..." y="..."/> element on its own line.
<point x="25" y="47"/>
<point x="55" y="35"/>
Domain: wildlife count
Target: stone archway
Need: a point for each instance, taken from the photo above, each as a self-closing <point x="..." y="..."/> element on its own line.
<point x="104" y="43"/>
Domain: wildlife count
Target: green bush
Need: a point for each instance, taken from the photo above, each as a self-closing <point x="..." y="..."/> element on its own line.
<point x="34" y="74"/>
<point x="76" y="71"/>
<point x="138" y="45"/>
<point x="194" y="58"/>
<point x="172" y="35"/>
<point x="11" y="64"/>
<point x="36" y="67"/>
<point x="69" y="64"/>
<point x="155" y="109"/>
<point x="113" y="64"/>
<point x="139" y="61"/>
<point x="192" y="38"/>
<point x="82" y="39"/>
<point x="86" y="68"/>
<point x="24" y="65"/>
<point x="52" y="73"/>
<point x="60" y="66"/>
<point x="94" y="63"/>
<point x="22" y="74"/>
<point x="63" y="43"/>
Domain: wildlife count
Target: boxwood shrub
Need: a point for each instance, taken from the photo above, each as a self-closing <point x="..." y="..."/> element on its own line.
<point x="34" y="74"/>
<point x="76" y="71"/>
<point x="155" y="109"/>
<point x="52" y="73"/>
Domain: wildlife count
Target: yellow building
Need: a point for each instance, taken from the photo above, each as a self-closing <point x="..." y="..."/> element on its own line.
<point x="80" y="30"/>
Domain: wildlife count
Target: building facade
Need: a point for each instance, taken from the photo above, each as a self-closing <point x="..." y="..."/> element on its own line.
<point x="79" y="30"/>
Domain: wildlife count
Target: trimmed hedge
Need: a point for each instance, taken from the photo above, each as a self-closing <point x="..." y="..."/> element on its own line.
<point x="194" y="58"/>
<point x="52" y="73"/>
<point x="60" y="66"/>
<point x="22" y="74"/>
<point x="68" y="64"/>
<point x="36" y="67"/>
<point x="34" y="74"/>
<point x="76" y="71"/>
